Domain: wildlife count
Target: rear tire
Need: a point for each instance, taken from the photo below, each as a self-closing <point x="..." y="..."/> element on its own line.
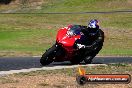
<point x="76" y="60"/>
<point x="48" y="56"/>
<point x="88" y="59"/>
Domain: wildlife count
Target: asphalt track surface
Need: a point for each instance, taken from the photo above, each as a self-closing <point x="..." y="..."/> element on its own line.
<point x="18" y="63"/>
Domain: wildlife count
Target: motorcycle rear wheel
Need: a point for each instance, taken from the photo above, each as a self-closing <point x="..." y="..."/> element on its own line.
<point x="76" y="60"/>
<point x="88" y="59"/>
<point x="48" y="56"/>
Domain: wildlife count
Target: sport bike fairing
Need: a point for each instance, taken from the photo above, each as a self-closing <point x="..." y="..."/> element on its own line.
<point x="67" y="36"/>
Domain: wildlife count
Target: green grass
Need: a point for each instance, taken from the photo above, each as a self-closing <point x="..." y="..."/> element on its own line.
<point x="32" y="41"/>
<point x="85" y="5"/>
<point x="32" y="34"/>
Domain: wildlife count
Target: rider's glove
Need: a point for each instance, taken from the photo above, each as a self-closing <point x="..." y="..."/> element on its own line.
<point x="80" y="46"/>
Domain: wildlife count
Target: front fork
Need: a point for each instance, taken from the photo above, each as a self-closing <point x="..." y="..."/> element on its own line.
<point x="59" y="50"/>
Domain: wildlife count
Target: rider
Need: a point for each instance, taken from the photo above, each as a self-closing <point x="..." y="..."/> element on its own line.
<point x="93" y="40"/>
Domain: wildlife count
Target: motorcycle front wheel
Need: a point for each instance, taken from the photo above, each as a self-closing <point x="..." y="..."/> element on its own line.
<point x="48" y="56"/>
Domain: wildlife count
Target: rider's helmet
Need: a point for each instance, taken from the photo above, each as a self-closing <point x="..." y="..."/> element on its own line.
<point x="93" y="24"/>
<point x="93" y="27"/>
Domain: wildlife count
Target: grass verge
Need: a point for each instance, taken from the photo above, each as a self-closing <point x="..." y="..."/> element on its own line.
<point x="67" y="77"/>
<point x="32" y="34"/>
<point x="28" y="35"/>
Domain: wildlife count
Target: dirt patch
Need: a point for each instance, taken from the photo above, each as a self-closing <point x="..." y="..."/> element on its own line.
<point x="42" y="81"/>
<point x="54" y="81"/>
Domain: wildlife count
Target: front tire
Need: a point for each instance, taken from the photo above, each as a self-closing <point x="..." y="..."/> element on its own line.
<point x="48" y="56"/>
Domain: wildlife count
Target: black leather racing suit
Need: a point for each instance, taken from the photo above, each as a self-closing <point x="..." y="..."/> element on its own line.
<point x="93" y="40"/>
